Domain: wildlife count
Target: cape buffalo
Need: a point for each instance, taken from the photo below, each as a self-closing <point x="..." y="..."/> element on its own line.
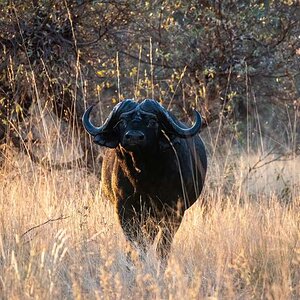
<point x="154" y="171"/>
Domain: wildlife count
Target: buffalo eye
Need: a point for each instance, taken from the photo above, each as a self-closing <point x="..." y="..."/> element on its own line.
<point x="152" y="123"/>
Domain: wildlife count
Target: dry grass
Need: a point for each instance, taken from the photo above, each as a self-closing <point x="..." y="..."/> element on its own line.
<point x="246" y="246"/>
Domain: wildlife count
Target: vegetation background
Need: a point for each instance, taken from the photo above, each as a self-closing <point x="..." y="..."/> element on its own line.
<point x="235" y="61"/>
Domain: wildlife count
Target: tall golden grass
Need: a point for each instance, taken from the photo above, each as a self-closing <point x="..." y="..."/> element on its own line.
<point x="60" y="239"/>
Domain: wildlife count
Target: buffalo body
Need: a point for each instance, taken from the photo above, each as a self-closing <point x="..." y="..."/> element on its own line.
<point x="154" y="170"/>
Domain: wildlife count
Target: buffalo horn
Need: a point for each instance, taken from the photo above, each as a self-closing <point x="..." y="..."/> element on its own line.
<point x="89" y="127"/>
<point x="185" y="132"/>
<point x="112" y="119"/>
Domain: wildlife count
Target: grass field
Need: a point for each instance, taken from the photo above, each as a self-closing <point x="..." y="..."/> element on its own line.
<point x="60" y="239"/>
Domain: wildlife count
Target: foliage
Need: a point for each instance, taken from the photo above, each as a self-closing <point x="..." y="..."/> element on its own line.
<point x="238" y="61"/>
<point x="230" y="52"/>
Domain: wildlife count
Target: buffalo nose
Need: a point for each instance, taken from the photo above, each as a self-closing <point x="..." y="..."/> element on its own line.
<point x="134" y="136"/>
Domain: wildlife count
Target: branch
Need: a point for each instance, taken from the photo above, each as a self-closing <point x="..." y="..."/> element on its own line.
<point x="100" y="36"/>
<point x="148" y="62"/>
<point x="261" y="162"/>
<point x="44" y="223"/>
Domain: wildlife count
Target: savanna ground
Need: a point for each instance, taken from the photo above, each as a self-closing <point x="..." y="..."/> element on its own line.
<point x="60" y="239"/>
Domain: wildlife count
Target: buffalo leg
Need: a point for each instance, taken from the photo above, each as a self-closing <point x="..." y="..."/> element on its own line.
<point x="169" y="229"/>
<point x="137" y="223"/>
<point x="131" y="225"/>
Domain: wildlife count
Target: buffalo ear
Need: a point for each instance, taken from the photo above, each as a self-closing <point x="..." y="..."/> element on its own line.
<point x="107" y="139"/>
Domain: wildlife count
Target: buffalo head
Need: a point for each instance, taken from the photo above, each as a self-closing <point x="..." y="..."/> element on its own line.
<point x="138" y="125"/>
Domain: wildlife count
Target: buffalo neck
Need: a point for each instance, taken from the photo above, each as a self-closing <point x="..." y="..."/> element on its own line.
<point x="141" y="163"/>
